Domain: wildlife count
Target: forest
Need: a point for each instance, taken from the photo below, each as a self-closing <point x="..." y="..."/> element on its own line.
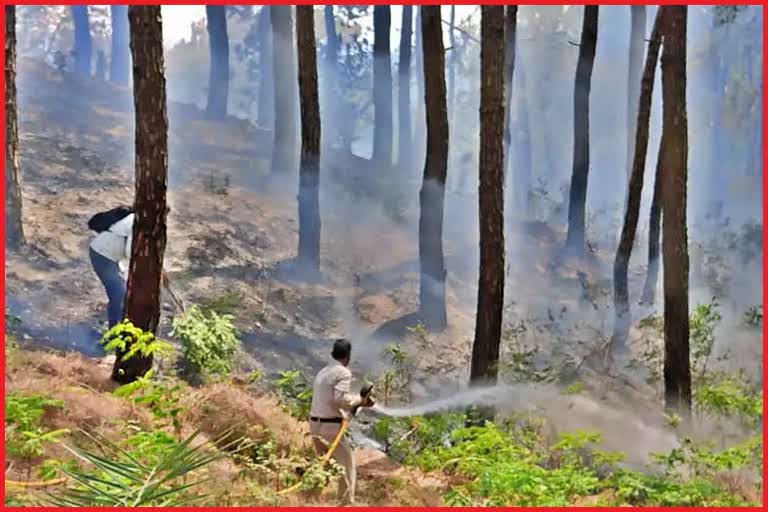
<point x="539" y="227"/>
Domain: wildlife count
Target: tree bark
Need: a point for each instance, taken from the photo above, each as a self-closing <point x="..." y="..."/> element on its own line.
<point x="420" y="128"/>
<point x="677" y="368"/>
<point x="432" y="194"/>
<point x="14" y="230"/>
<point x="490" y="290"/>
<point x="510" y="29"/>
<point x="266" y="76"/>
<point x="452" y="66"/>
<point x="523" y="164"/>
<point x="636" y="45"/>
<point x="284" y="152"/>
<point x="582" y="87"/>
<point x="309" y="170"/>
<point x="632" y="211"/>
<point x="404" y="137"/>
<point x="382" y="88"/>
<point x="332" y="54"/>
<point x="142" y="299"/>
<point x="654" y="234"/>
<point x="120" y="58"/>
<point x="331" y="91"/>
<point x="218" y="78"/>
<point x="83" y="44"/>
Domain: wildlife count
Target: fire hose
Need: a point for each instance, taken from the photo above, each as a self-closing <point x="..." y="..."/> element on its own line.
<point x="365" y="393"/>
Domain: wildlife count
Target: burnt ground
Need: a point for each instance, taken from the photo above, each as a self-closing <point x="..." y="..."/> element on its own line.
<point x="232" y="234"/>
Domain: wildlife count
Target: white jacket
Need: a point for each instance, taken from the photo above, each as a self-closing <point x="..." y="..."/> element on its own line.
<point x="115" y="243"/>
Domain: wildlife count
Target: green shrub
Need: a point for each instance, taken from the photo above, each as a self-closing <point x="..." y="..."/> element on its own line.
<point x="512" y="464"/>
<point x="24" y="433"/>
<point x="161" y="396"/>
<point x="295" y="393"/>
<point x="129" y="340"/>
<point x="209" y="342"/>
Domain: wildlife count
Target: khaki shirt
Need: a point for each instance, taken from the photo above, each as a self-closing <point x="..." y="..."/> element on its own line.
<point x="330" y="392"/>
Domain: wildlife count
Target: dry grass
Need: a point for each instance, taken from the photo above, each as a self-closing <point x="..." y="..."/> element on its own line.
<point x="219" y="408"/>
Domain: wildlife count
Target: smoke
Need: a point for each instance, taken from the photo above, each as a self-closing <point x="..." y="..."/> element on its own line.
<point x="370" y="220"/>
<point x="565" y="412"/>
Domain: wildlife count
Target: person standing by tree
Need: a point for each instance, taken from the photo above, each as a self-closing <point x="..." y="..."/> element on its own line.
<point x="142" y="300"/>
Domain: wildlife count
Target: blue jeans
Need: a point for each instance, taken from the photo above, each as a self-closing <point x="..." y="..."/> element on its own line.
<point x="109" y="274"/>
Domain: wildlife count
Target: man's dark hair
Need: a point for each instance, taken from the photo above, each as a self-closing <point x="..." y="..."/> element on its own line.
<point x="342" y="349"/>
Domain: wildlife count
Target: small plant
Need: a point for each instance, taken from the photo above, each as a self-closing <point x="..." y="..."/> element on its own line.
<point x="672" y="419"/>
<point x="420" y="331"/>
<point x="703" y="461"/>
<point x="24" y="434"/>
<point x="398" y="379"/>
<point x="128" y="340"/>
<point x="575" y="389"/>
<point x="726" y="395"/>
<point x="117" y="478"/>
<point x="209" y="341"/>
<point x="255" y="376"/>
<point x="162" y="398"/>
<point x="295" y="393"/>
<point x="703" y="322"/>
<point x="753" y="317"/>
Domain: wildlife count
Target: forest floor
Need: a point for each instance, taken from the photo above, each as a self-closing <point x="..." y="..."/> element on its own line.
<point x="232" y="235"/>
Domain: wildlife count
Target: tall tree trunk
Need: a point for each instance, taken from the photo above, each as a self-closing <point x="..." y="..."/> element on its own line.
<point x="266" y="66"/>
<point x="635" y="191"/>
<point x="510" y="29"/>
<point x="420" y="128"/>
<point x="404" y="136"/>
<point x="101" y="66"/>
<point x="331" y="91"/>
<point x="718" y="136"/>
<point x="218" y="77"/>
<point x="583" y="84"/>
<point x="523" y="161"/>
<point x="452" y="66"/>
<point x="677" y="367"/>
<point x="142" y="299"/>
<point x="83" y="44"/>
<point x="636" y="45"/>
<point x="14" y="231"/>
<point x="490" y="290"/>
<point x="332" y="54"/>
<point x="654" y="234"/>
<point x="432" y="195"/>
<point x="120" y="58"/>
<point x="382" y="88"/>
<point x="284" y="69"/>
<point x="309" y="170"/>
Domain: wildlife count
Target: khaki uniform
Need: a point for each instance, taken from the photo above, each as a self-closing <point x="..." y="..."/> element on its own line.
<point x="331" y="398"/>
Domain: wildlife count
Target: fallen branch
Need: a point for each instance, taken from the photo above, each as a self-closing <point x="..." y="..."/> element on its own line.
<point x="44" y="483"/>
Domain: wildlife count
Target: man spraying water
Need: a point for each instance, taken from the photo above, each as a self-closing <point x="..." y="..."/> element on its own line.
<point x="332" y="404"/>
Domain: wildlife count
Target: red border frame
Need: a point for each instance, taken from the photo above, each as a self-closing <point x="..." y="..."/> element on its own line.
<point x="219" y="2"/>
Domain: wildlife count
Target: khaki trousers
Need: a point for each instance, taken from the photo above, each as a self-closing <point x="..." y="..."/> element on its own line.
<point x="326" y="432"/>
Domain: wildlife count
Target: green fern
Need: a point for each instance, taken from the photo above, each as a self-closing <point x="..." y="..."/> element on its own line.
<point x="119" y="479"/>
